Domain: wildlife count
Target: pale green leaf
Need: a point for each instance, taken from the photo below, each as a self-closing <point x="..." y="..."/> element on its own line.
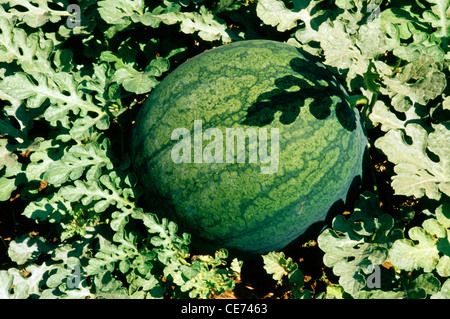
<point x="10" y="288"/>
<point x="45" y="151"/>
<point x="9" y="168"/>
<point x="208" y="26"/>
<point x="119" y="12"/>
<point x="31" y="51"/>
<point x="419" y="81"/>
<point x="439" y="18"/>
<point x="19" y="86"/>
<point x="443" y="215"/>
<point x="26" y="249"/>
<point x="444" y="293"/>
<point x="37" y="12"/>
<point x="62" y="91"/>
<point x="341" y="50"/>
<point x="355" y="244"/>
<point x="406" y="254"/>
<point x="105" y="286"/>
<point x="428" y="282"/>
<point x="381" y="114"/>
<point x="277" y="265"/>
<point x="52" y="208"/>
<point x="381" y="294"/>
<point x="443" y="266"/>
<point x="78" y="159"/>
<point x="132" y="79"/>
<point x="416" y="173"/>
<point x="275" y="13"/>
<point x="446" y="103"/>
<point x="7" y="186"/>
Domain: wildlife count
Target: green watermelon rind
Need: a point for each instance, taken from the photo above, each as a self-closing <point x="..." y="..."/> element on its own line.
<point x="269" y="210"/>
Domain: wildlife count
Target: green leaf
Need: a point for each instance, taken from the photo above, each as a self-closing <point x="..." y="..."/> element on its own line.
<point x="275" y="13"/>
<point x="439" y="18"/>
<point x="120" y="12"/>
<point x="355" y="245"/>
<point x="52" y="208"/>
<point x="37" y="12"/>
<point x="133" y="80"/>
<point x="78" y="159"/>
<point x="208" y="26"/>
<point x="119" y="220"/>
<point x="83" y="127"/>
<point x="31" y="51"/>
<point x="419" y="81"/>
<point x="90" y="194"/>
<point x="106" y="286"/>
<point x="164" y="237"/>
<point x="62" y="91"/>
<point x="417" y="174"/>
<point x="443" y="266"/>
<point x="138" y="83"/>
<point x="7" y="129"/>
<point x="445" y="291"/>
<point x="407" y="255"/>
<point x="335" y="292"/>
<point x="106" y="258"/>
<point x="9" y="168"/>
<point x="203" y="276"/>
<point x="425" y="284"/>
<point x="381" y="114"/>
<point x="10" y="289"/>
<point x="27" y="249"/>
<point x="278" y="266"/>
<point x="150" y="285"/>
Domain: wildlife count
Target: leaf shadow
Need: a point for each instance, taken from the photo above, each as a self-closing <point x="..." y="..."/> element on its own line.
<point x="292" y="92"/>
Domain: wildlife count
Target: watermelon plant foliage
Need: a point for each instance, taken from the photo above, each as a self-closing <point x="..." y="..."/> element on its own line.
<point x="72" y="81"/>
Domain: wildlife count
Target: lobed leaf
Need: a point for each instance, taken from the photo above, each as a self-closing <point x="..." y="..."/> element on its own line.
<point x="275" y="13"/>
<point x="31" y="51"/>
<point x="417" y="173"/>
<point x="354" y="245"/>
<point x="426" y="245"/>
<point x="10" y="288"/>
<point x="77" y="160"/>
<point x="9" y="168"/>
<point x="407" y="255"/>
<point x="37" y="12"/>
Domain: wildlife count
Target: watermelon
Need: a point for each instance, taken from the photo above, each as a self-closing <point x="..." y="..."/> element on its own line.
<point x="247" y="145"/>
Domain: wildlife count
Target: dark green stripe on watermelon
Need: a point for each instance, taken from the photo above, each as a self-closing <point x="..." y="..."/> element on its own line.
<point x="260" y="84"/>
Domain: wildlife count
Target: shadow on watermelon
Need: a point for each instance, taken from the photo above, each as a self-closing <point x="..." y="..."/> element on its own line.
<point x="289" y="101"/>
